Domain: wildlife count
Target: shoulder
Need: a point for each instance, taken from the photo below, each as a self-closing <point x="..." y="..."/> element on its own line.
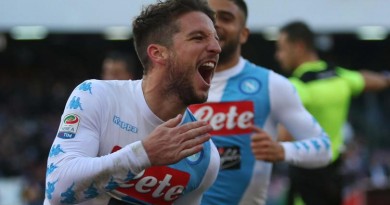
<point x="92" y="86"/>
<point x="344" y="72"/>
<point x="254" y="69"/>
<point x="279" y="81"/>
<point x="103" y="92"/>
<point x="105" y="87"/>
<point x="249" y="66"/>
<point x="283" y="92"/>
<point x="355" y="80"/>
<point x="275" y="81"/>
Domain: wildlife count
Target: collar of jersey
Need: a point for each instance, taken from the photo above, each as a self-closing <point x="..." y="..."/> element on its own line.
<point x="145" y="109"/>
<point x="309" y="66"/>
<point x="228" y="73"/>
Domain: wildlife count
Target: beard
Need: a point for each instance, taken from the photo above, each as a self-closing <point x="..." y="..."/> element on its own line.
<point x="181" y="84"/>
<point x="228" y="50"/>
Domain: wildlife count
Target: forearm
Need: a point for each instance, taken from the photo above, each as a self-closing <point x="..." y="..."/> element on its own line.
<point x="310" y="146"/>
<point x="73" y="178"/>
<point x="309" y="153"/>
<point x="375" y="81"/>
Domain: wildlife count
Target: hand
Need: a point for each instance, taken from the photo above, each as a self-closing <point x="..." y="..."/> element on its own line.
<point x="264" y="148"/>
<point x="169" y="142"/>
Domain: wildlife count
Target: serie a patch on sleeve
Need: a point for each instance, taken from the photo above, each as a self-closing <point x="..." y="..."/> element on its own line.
<point x="69" y="126"/>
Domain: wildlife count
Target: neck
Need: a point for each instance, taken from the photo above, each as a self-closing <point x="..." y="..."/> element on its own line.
<point x="229" y="62"/>
<point x="163" y="103"/>
<point x="310" y="57"/>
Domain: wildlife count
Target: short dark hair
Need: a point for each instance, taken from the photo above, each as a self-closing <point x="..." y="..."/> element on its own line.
<point x="299" y="31"/>
<point x="242" y="5"/>
<point x="157" y="24"/>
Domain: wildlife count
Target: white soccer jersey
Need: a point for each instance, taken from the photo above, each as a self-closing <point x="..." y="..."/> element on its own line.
<point x="97" y="153"/>
<point x="249" y="94"/>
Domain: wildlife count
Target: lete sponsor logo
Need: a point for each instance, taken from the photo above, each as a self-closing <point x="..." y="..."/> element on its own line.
<point x="69" y="126"/>
<point x="226" y="118"/>
<point x="155" y="185"/>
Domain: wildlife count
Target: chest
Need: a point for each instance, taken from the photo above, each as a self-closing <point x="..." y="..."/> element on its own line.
<point x="164" y="184"/>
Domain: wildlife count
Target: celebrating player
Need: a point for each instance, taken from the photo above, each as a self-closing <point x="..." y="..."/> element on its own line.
<point x="135" y="142"/>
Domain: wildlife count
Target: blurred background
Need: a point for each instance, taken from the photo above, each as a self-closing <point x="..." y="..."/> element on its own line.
<point x="48" y="47"/>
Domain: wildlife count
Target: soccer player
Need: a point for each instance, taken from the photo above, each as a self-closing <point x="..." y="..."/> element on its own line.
<point x="135" y="142"/>
<point x="245" y="105"/>
<point x="326" y="91"/>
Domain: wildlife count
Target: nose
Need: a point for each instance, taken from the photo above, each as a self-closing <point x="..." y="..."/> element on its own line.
<point x="214" y="46"/>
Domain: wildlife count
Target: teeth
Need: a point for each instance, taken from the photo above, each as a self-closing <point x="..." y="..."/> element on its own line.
<point x="209" y="64"/>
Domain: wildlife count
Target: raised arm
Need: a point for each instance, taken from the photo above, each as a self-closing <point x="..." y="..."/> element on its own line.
<point x="75" y="172"/>
<point x="375" y="81"/>
<point x="311" y="145"/>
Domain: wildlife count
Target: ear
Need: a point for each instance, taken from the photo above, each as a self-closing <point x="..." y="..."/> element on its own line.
<point x="300" y="46"/>
<point x="157" y="53"/>
<point x="244" y="35"/>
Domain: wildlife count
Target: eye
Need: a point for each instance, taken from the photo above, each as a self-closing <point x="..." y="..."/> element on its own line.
<point x="225" y="17"/>
<point x="198" y="37"/>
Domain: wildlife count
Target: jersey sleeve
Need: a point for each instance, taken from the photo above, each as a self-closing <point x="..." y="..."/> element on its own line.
<point x="75" y="172"/>
<point x="354" y="79"/>
<point x="311" y="147"/>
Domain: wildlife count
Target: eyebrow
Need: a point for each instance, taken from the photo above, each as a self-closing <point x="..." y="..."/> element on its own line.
<point x="196" y="32"/>
<point x="201" y="32"/>
<point x="225" y="13"/>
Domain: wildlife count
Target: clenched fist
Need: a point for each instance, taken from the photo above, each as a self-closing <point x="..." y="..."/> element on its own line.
<point x="264" y="148"/>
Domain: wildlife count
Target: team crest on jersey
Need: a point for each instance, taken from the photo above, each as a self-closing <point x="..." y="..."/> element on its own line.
<point x="69" y="126"/>
<point x="250" y="86"/>
<point x="195" y="158"/>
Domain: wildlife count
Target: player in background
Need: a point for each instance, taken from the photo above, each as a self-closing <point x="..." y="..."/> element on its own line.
<point x="326" y="91"/>
<point x="245" y="105"/>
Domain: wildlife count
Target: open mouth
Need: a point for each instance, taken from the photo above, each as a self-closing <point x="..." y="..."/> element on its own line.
<point x="206" y="70"/>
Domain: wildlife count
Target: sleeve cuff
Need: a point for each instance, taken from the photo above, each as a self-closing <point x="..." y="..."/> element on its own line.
<point x="138" y="157"/>
<point x="288" y="150"/>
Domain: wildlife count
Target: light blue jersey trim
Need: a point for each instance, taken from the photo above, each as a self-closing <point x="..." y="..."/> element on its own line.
<point x="196" y="165"/>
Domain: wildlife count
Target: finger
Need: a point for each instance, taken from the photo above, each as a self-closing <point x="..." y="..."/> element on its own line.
<point x="259" y="137"/>
<point x="260" y="156"/>
<point x="173" y="122"/>
<point x="265" y="156"/>
<point x="256" y="129"/>
<point x="261" y="145"/>
<point x="198" y="131"/>
<point x="191" y="151"/>
<point x="257" y="148"/>
<point x="195" y="145"/>
<point x="194" y="129"/>
<point x="196" y="141"/>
